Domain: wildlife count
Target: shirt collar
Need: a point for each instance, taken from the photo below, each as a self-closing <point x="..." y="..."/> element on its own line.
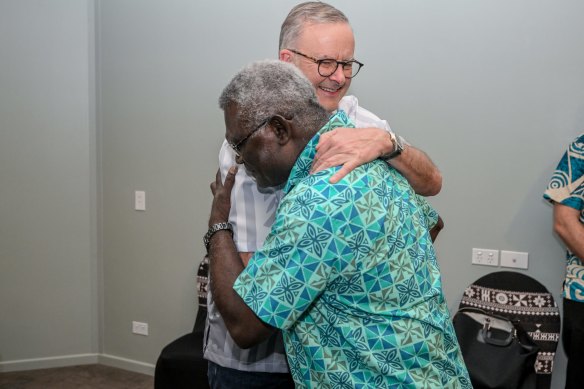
<point x="301" y="168"/>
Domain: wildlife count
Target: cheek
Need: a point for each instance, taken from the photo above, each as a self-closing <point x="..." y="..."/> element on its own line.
<point x="311" y="73"/>
<point x="257" y="162"/>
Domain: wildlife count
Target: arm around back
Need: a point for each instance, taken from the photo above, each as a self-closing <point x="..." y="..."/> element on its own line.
<point x="351" y="147"/>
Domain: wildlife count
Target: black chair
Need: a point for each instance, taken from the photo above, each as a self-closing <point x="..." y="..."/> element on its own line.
<point x="181" y="363"/>
<point x="519" y="297"/>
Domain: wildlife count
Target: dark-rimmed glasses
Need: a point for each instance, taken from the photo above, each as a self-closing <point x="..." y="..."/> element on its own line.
<point x="239" y="145"/>
<point x="327" y="66"/>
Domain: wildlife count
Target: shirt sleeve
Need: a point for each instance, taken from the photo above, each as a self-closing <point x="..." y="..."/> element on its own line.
<point x="428" y="212"/>
<point x="295" y="265"/>
<point x="566" y="186"/>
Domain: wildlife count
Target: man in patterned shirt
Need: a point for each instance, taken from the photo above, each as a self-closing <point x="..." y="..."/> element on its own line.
<point x="566" y="192"/>
<point x="312" y="31"/>
<point x="348" y="271"/>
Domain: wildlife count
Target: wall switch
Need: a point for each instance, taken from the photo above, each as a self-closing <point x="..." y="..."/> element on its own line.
<point x="140" y="200"/>
<point x="140" y="328"/>
<point x="514" y="259"/>
<point x="485" y="257"/>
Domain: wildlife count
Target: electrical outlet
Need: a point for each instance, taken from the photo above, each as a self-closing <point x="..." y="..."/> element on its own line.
<point x="485" y="257"/>
<point x="514" y="259"/>
<point x="140" y="328"/>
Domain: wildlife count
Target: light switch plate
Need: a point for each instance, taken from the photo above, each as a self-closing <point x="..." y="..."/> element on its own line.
<point x="515" y="259"/>
<point x="140" y="200"/>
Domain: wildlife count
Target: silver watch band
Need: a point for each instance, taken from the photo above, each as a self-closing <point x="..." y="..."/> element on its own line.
<point x="216" y="228"/>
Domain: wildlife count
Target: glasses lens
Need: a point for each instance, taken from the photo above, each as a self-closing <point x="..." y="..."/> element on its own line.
<point x="348" y="69"/>
<point x="328" y="66"/>
<point x="351" y="69"/>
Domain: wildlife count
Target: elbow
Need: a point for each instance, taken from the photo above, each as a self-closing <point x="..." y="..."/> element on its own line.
<point x="243" y="344"/>
<point x="433" y="184"/>
<point x="560" y="229"/>
<point x="243" y="338"/>
<point x="250" y="332"/>
<point x="436" y="183"/>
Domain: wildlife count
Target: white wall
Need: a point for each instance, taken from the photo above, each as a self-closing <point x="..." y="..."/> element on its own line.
<point x="491" y="90"/>
<point x="48" y="292"/>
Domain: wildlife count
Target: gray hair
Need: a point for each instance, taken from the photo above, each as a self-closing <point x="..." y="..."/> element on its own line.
<point x="273" y="87"/>
<point x="315" y="12"/>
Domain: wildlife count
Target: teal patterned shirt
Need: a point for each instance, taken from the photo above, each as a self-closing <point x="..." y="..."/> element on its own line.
<point x="349" y="273"/>
<point x="567" y="188"/>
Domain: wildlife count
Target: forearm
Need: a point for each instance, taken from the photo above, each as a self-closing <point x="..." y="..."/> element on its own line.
<point x="569" y="228"/>
<point x="419" y="170"/>
<point x="225" y="266"/>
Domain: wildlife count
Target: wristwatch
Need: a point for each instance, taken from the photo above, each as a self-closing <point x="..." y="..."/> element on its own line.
<point x="398" y="147"/>
<point x="216" y="228"/>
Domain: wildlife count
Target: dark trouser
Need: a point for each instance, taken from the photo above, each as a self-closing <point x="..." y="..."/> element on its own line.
<point x="225" y="378"/>
<point x="573" y="341"/>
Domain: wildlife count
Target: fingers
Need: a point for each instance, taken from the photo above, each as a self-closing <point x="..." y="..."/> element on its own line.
<point x="216" y="183"/>
<point x="342" y="172"/>
<point x="327" y="161"/>
<point x="221" y="205"/>
<point x="230" y="179"/>
<point x="326" y="141"/>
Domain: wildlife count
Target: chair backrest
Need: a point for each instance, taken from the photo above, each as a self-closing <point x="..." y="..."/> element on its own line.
<point x="519" y="297"/>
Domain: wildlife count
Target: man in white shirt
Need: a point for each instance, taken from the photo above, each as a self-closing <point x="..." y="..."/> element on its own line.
<point x="318" y="39"/>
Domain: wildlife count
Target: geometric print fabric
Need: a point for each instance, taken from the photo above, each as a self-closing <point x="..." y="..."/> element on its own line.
<point x="349" y="273"/>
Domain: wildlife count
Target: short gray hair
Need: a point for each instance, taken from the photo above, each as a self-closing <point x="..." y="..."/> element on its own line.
<point x="273" y="87"/>
<point x="315" y="12"/>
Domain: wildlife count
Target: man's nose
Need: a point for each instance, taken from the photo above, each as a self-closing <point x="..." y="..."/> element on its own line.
<point x="338" y="76"/>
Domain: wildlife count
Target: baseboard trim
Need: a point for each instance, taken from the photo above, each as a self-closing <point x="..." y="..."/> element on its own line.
<point x="48" y="363"/>
<point x="74" y="360"/>
<point x="126" y="364"/>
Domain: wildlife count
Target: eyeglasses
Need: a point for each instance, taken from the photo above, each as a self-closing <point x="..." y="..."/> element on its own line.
<point x="327" y="66"/>
<point x="239" y="145"/>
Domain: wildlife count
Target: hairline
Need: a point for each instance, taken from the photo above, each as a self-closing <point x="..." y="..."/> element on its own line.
<point x="306" y="14"/>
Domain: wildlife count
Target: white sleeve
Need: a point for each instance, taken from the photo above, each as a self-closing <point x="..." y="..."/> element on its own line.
<point x="252" y="212"/>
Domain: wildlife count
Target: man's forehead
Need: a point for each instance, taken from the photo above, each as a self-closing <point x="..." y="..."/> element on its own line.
<point x="320" y="38"/>
<point x="232" y="120"/>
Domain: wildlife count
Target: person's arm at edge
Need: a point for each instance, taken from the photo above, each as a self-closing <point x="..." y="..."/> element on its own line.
<point x="225" y="264"/>
<point x="353" y="147"/>
<point x="436" y="228"/>
<point x="569" y="228"/>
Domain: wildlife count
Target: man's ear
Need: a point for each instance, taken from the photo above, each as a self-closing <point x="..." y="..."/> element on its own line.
<point x="285" y="55"/>
<point x="282" y="129"/>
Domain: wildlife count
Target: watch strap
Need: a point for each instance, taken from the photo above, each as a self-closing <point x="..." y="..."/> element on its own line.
<point x="214" y="229"/>
<point x="398" y="147"/>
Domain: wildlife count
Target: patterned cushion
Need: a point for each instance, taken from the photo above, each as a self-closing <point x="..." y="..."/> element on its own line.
<point x="520" y="297"/>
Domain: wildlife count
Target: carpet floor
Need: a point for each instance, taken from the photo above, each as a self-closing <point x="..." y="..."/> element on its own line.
<point x="76" y="377"/>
